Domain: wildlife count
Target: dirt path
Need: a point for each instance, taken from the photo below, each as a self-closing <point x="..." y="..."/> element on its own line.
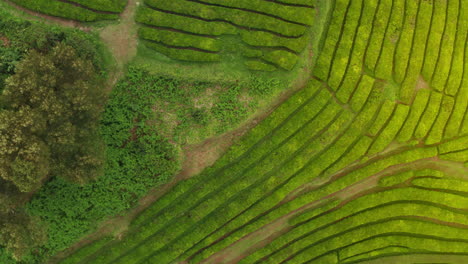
<point x="122" y="40"/>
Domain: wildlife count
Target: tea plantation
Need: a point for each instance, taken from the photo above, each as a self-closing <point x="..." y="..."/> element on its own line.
<point x="366" y="163"/>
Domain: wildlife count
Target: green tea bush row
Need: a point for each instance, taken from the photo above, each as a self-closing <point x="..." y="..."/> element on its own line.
<point x="416" y="60"/>
<point x="183" y="54"/>
<point x="345" y="46"/>
<point x="458" y="185"/>
<point x="416" y="110"/>
<point x="258" y="65"/>
<point x="444" y="62"/>
<point x="305" y="3"/>
<point x="374" y="207"/>
<point x="281" y="58"/>
<point x="85" y="251"/>
<point x="405" y="42"/>
<point x="454" y="81"/>
<point x="397" y="178"/>
<point x="385" y="113"/>
<point x="363" y="90"/>
<point x="388" y="133"/>
<point x="177" y="39"/>
<point x="65" y="10"/>
<point x="382" y="16"/>
<point x="384" y="63"/>
<point x="116" y="6"/>
<point x="325" y="59"/>
<point x="453" y="145"/>
<point x="354" y="68"/>
<point x="439" y="20"/>
<point x="158" y="18"/>
<point x="429" y="115"/>
<point x="237" y="17"/>
<point x="435" y="134"/>
<point x="291" y="13"/>
<point x="460" y="156"/>
<point x="266" y="39"/>
<point x="387" y="245"/>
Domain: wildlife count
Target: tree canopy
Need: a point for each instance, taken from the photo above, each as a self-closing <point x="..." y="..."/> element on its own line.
<point x="48" y="128"/>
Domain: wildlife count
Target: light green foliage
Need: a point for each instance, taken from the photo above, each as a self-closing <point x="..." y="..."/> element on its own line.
<point x="444" y="184"/>
<point x="237" y="17"/>
<point x="171" y="38"/>
<point x="381" y="20"/>
<point x="354" y="67"/>
<point x="444" y="62"/>
<point x="325" y="58"/>
<point x="362" y="92"/>
<point x="438" y="24"/>
<point x="116" y="6"/>
<point x="288" y="12"/>
<point x="429" y="115"/>
<point x="65" y="10"/>
<point x="345" y="46"/>
<point x="435" y="135"/>
<point x="416" y="59"/>
<point x="85" y="251"/>
<point x="453" y="145"/>
<point x="273" y="30"/>
<point x="258" y="65"/>
<point x="386" y="61"/>
<point x="183" y="54"/>
<point x="405" y="42"/>
<point x="389" y="132"/>
<point x="385" y="113"/>
<point x="395" y="245"/>
<point x="416" y="110"/>
<point x="392" y="179"/>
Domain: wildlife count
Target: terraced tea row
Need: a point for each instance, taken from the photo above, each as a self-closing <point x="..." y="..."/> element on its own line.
<point x="272" y="33"/>
<point x="367" y="161"/>
<point x="80" y="10"/>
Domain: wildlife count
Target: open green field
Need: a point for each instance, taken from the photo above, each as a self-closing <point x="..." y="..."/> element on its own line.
<point x="366" y="163"/>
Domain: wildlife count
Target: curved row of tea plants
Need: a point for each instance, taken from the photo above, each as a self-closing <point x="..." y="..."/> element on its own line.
<point x="80" y="10"/>
<point x="272" y="34"/>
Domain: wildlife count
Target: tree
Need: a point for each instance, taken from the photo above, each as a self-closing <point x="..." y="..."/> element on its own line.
<point x="48" y="128"/>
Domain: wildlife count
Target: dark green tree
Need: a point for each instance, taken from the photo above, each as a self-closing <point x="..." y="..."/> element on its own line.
<point x="48" y="128"/>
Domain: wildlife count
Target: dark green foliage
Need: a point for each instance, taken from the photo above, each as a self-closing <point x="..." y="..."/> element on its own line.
<point x="46" y="110"/>
<point x="138" y="158"/>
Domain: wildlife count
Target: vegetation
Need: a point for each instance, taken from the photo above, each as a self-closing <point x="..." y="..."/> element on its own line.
<point x="357" y="165"/>
<point x="190" y="31"/>
<point x="80" y="10"/>
<point x="366" y="162"/>
<point x="50" y="107"/>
